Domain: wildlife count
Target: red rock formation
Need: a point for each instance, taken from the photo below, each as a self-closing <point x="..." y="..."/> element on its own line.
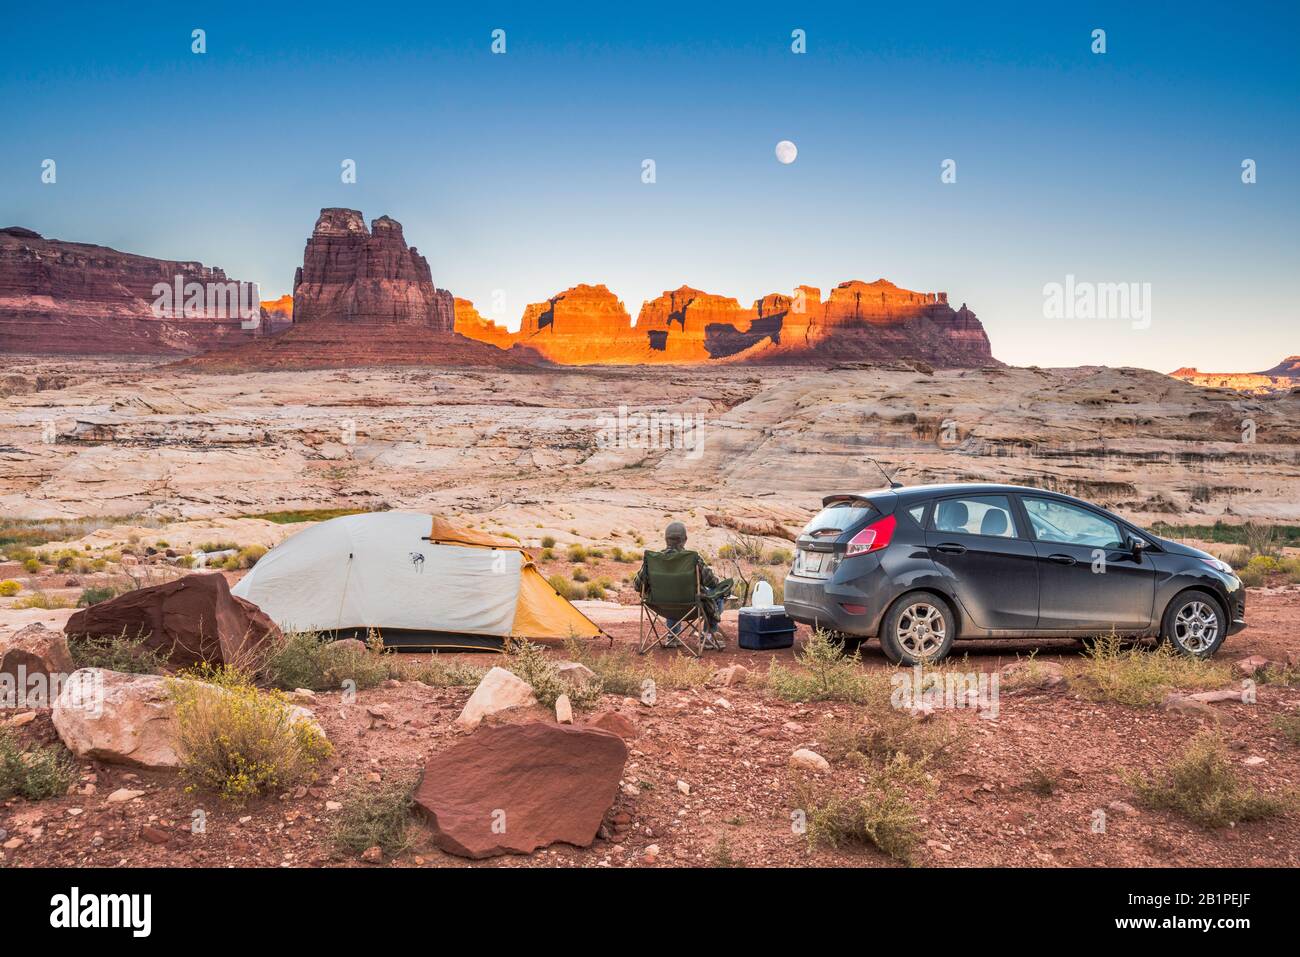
<point x="859" y="322"/>
<point x="471" y="325"/>
<point x="74" y="298"/>
<point x="363" y="298"/>
<point x="351" y="274"/>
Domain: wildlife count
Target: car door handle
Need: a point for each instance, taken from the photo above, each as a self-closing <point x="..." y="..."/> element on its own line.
<point x="1062" y="559"/>
<point x="951" y="548"/>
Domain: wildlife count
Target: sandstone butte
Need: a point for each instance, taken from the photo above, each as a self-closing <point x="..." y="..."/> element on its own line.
<point x="363" y="297"/>
<point x="73" y="298"/>
<point x="858" y="322"/>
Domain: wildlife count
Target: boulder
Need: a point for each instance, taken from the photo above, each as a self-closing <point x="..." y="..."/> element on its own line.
<point x="126" y="719"/>
<point x="809" y="761"/>
<point x="30" y="652"/>
<point x="498" y="691"/>
<point x="191" y="620"/>
<point x="513" y="788"/>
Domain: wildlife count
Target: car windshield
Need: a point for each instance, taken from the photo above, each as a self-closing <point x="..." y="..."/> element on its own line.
<point x="838" y="517"/>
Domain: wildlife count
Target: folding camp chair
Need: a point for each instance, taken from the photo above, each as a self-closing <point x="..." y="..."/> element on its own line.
<point x="672" y="601"/>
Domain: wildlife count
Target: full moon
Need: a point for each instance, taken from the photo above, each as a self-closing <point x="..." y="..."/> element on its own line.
<point x="786" y="152"/>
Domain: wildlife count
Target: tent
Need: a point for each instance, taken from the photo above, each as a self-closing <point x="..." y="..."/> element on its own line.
<point x="416" y="579"/>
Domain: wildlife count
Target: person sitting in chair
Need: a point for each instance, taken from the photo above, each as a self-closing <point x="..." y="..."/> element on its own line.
<point x="675" y="539"/>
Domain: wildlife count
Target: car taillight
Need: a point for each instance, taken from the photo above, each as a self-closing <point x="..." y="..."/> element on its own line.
<point x="872" y="538"/>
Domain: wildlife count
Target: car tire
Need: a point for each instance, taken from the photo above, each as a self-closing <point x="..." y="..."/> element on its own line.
<point x="1194" y="624"/>
<point x="919" y="628"/>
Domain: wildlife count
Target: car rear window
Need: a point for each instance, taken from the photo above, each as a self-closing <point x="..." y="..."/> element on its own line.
<point x="838" y="517"/>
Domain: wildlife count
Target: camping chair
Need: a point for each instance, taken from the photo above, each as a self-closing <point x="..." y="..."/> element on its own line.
<point x="672" y="592"/>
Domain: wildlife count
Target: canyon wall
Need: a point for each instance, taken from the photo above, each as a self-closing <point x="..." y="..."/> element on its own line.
<point x="1283" y="377"/>
<point x="73" y="298"/>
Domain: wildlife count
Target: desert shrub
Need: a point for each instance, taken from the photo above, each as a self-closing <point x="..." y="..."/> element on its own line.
<point x="307" y="659"/>
<point x="1202" y="785"/>
<point x="238" y="740"/>
<point x="563" y="586"/>
<point x="595" y="553"/>
<point x="1108" y="671"/>
<point x="36" y="774"/>
<point x="9" y="588"/>
<point x="826" y="673"/>
<point x="880" y="815"/>
<point x="31" y="565"/>
<point x="447" y="674"/>
<point x="576" y="554"/>
<point x="779" y="556"/>
<point x="1260" y="538"/>
<point x="94" y="595"/>
<point x="889" y="735"/>
<point x="40" y="599"/>
<point x="249" y="555"/>
<point x="1289" y="725"/>
<point x="116" y="653"/>
<point x="1041" y="782"/>
<point x="595" y="591"/>
<point x="624" y="672"/>
<point x="531" y="663"/>
<point x="548" y="541"/>
<point x="374" y="816"/>
<point x="218" y="547"/>
<point x="579" y="575"/>
<point x="548" y="554"/>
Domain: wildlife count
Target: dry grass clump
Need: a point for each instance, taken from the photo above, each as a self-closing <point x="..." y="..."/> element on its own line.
<point x="116" y="653"/>
<point x="437" y="673"/>
<point x="531" y="663"/>
<point x="308" y="659"/>
<point x="375" y="816"/>
<point x="624" y="672"/>
<point x="826" y="673"/>
<point x="1202" y="785"/>
<point x="879" y="815"/>
<point x="1141" y="678"/>
<point x="238" y="740"/>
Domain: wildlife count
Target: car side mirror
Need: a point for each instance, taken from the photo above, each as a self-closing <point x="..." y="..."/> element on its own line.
<point x="1137" y="546"/>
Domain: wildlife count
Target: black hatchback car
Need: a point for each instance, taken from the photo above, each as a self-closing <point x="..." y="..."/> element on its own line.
<point x="924" y="565"/>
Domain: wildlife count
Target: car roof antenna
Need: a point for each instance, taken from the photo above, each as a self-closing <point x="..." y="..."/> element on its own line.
<point x="888" y="477"/>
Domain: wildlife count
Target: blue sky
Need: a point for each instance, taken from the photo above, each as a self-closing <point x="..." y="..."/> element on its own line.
<point x="522" y="172"/>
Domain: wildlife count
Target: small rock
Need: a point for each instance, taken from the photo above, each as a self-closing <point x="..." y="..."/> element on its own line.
<point x="1185" y="705"/>
<point x="1223" y="694"/>
<point x="574" y="672"/>
<point x="1121" y="807"/>
<point x="563" y="710"/>
<point x="809" y="761"/>
<point x="1247" y="667"/>
<point x="651" y="853"/>
<point x="18" y="720"/>
<point x="683" y="787"/>
<point x="13" y="843"/>
<point x="154" y="835"/>
<point x="333" y="806"/>
<point x="730" y="675"/>
<point x="1254" y="761"/>
<point x="122" y="795"/>
<point x="373" y="855"/>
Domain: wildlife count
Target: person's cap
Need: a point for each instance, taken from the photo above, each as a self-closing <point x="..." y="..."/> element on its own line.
<point x="675" y="532"/>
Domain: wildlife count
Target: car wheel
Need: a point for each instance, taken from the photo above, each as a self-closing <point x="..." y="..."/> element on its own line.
<point x="918" y="628"/>
<point x="1194" y="624"/>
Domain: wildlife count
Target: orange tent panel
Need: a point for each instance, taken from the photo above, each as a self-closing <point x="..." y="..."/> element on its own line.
<point x="545" y="614"/>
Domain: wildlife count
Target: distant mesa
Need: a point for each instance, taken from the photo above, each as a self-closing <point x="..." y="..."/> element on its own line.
<point x="66" y="298"/>
<point x="859" y="321"/>
<point x="1283" y="377"/>
<point x="364" y="297"/>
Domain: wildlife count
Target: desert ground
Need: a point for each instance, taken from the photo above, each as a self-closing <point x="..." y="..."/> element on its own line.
<point x="123" y="469"/>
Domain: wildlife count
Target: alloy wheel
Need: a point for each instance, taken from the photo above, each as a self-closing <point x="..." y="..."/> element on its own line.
<point x="1196" y="626"/>
<point x="921" y="629"/>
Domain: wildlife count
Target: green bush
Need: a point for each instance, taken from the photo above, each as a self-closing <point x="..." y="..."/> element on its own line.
<point x="452" y="674"/>
<point x="563" y="587"/>
<point x="826" y="674"/>
<point x="9" y="588"/>
<point x="881" y="815"/>
<point x="531" y="663"/>
<point x="37" y="774"/>
<point x="1140" y="678"/>
<point x="32" y="566"/>
<point x="93" y="596"/>
<point x="548" y="541"/>
<point x="577" y="554"/>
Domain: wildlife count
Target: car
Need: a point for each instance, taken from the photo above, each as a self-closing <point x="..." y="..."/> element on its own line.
<point x="922" y="566"/>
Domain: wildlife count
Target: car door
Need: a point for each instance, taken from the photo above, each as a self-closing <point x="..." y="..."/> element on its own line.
<point x="988" y="560"/>
<point x="1088" y="576"/>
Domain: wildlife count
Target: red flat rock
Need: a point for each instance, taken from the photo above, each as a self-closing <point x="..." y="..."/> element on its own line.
<point x="511" y="789"/>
